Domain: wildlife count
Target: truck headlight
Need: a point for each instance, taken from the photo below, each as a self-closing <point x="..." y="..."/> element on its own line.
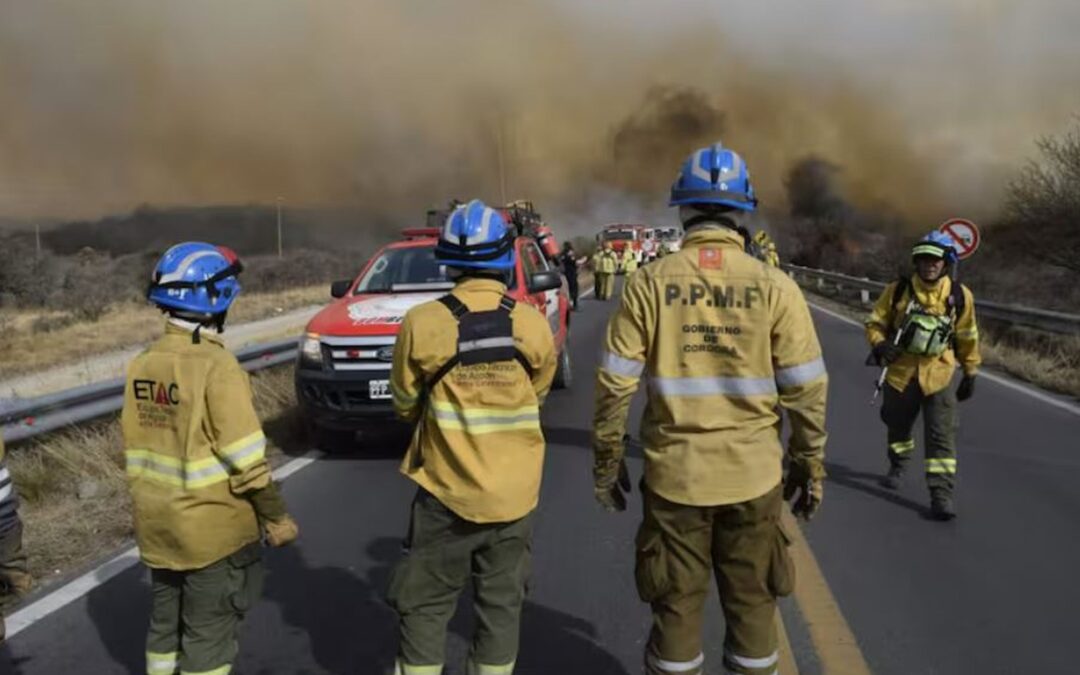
<point x="311" y="353"/>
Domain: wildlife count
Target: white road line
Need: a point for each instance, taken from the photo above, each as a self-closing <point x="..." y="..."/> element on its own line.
<point x="993" y="377"/>
<point x="80" y="586"/>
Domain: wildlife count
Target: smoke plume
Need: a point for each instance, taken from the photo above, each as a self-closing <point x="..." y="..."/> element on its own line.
<point x="393" y="106"/>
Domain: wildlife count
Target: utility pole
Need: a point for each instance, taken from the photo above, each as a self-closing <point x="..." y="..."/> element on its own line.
<point x="37" y="241"/>
<point x="501" y="158"/>
<point x="280" y="248"/>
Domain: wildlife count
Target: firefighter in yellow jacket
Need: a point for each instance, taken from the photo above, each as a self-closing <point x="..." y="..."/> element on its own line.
<point x="14" y="576"/>
<point x="921" y="328"/>
<point x="605" y="265"/>
<point x="471" y="371"/>
<point x="200" y="483"/>
<point x="723" y="339"/>
<point x="629" y="261"/>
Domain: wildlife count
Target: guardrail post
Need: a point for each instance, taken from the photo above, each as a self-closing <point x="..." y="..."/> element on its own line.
<point x="821" y="283"/>
<point x="864" y="295"/>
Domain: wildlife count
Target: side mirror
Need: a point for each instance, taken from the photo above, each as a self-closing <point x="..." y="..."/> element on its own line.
<point x="339" y="289"/>
<point x="544" y="281"/>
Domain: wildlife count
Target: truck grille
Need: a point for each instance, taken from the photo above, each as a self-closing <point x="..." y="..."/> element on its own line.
<point x="354" y="354"/>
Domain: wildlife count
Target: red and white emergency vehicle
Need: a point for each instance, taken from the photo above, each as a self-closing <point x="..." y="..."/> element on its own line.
<point x="622" y="236"/>
<point x="343" y="370"/>
<point x="657" y="238"/>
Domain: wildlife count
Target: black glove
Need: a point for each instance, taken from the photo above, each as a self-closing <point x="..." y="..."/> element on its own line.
<point x="966" y="388"/>
<point x="807" y="490"/>
<point x="886" y="352"/>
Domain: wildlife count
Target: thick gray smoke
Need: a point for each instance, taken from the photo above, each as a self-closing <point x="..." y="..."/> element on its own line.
<point x="395" y="105"/>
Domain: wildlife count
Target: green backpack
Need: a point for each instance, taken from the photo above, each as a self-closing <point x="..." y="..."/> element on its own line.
<point x="922" y="333"/>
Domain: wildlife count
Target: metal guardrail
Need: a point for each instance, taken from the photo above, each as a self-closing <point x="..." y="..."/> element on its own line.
<point x="24" y="418"/>
<point x="1040" y="319"/>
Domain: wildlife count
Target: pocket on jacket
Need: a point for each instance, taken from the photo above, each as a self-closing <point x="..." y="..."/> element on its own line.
<point x="781" y="567"/>
<point x="650" y="565"/>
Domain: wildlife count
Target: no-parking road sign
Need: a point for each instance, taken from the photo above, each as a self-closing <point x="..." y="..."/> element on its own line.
<point x="964" y="232"/>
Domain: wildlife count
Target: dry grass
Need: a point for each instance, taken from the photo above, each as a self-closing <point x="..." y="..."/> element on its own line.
<point x="75" y="502"/>
<point x="26" y="347"/>
<point x="1051" y="362"/>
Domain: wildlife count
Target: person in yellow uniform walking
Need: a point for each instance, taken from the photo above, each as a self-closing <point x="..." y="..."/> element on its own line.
<point x="471" y="371"/>
<point x="606" y="264"/>
<point x="725" y="340"/>
<point x="15" y="578"/>
<point x="200" y="483"/>
<point x="921" y="328"/>
<point x="629" y="261"/>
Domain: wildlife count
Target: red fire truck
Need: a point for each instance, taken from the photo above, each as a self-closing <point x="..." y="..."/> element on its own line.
<point x="622" y="236"/>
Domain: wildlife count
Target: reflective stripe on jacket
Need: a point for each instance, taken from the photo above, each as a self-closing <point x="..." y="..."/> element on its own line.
<point x="722" y="339"/>
<point x="9" y="501"/>
<point x="194" y="449"/>
<point x="934" y="372"/>
<point x="479" y="448"/>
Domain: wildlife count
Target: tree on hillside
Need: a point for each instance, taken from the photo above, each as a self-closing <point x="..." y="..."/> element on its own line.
<point x="1043" y="203"/>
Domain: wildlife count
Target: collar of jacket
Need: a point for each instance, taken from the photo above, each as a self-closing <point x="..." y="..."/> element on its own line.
<point x="703" y="235"/>
<point x="179" y="328"/>
<point x="475" y="285"/>
<point x="932" y="295"/>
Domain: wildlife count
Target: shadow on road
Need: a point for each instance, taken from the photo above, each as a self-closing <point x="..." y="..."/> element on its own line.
<point x="120" y="611"/>
<point x="867" y="483"/>
<point x="352" y="630"/>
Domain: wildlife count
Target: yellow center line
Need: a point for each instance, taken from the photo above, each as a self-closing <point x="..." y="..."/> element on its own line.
<point x="833" y="640"/>
<point x="787" y="665"/>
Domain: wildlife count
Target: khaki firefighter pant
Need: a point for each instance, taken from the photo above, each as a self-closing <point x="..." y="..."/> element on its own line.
<point x="442" y="552"/>
<point x="899" y="410"/>
<point x="605" y="285"/>
<point x="196" y="614"/>
<point x="743" y="544"/>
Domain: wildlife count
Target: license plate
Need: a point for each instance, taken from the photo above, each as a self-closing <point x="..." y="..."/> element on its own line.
<point x="379" y="389"/>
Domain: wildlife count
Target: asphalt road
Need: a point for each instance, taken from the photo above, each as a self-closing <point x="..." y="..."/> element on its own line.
<point x="992" y="592"/>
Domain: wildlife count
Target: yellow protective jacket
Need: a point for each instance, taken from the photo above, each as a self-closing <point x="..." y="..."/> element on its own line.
<point x="606" y="262"/>
<point x="934" y="372"/>
<point x="478" y="446"/>
<point x="629" y="261"/>
<point x="194" y="449"/>
<point x="722" y="339"/>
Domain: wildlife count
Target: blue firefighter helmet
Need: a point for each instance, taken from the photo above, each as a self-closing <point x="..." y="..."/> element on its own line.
<point x="477" y="237"/>
<point x="195" y="280"/>
<point x="936" y="244"/>
<point x="714" y="175"/>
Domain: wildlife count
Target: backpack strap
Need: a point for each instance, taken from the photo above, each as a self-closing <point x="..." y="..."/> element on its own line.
<point x="957" y="301"/>
<point x="903" y="287"/>
<point x="456" y="307"/>
<point x="508" y="304"/>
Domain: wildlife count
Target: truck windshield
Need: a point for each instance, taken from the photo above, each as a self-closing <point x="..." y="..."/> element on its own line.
<point x="404" y="270"/>
<point x="619" y="235"/>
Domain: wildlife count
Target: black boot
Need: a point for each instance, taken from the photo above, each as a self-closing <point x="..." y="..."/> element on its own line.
<point x="891" y="480"/>
<point x="941" y="505"/>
